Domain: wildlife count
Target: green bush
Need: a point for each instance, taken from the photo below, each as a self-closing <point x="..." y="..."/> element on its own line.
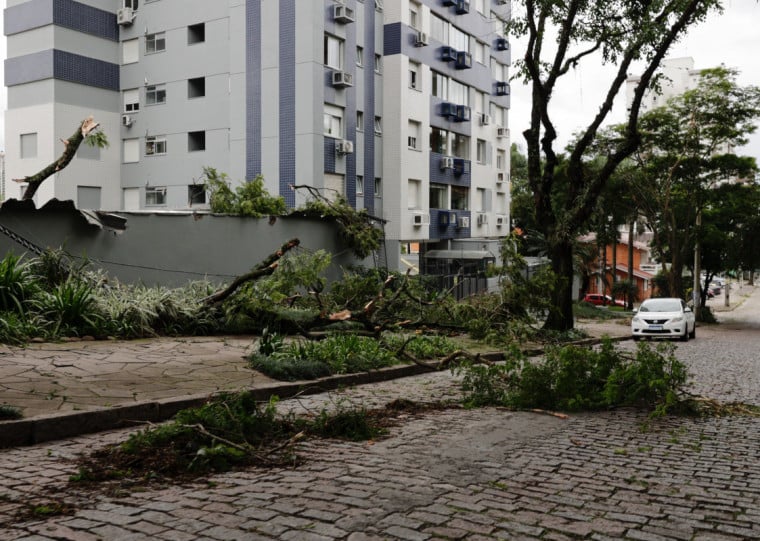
<point x="17" y="284"/>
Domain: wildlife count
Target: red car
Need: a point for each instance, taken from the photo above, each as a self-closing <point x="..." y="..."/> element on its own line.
<point x="602" y="300"/>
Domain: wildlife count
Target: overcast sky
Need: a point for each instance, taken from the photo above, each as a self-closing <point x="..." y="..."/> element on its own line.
<point x="732" y="39"/>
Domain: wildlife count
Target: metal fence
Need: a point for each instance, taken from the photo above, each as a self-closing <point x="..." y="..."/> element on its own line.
<point x="460" y="286"/>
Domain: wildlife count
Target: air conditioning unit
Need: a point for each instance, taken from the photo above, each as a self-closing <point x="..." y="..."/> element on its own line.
<point x="502" y="44"/>
<point x="342" y="79"/>
<point x="463" y="222"/>
<point x="499" y="221"/>
<point x="343" y="14"/>
<point x="420" y="219"/>
<point x="448" y="3"/>
<point x="344" y="147"/>
<point x="447" y="162"/>
<point x="448" y="109"/>
<point x="463" y="113"/>
<point x="448" y="53"/>
<point x="502" y="88"/>
<point x="125" y="16"/>
<point x="502" y="133"/>
<point x="482" y="219"/>
<point x="126" y="120"/>
<point x="464" y="60"/>
<point x="502" y="2"/>
<point x="485" y="119"/>
<point x="463" y="6"/>
<point x="421" y="39"/>
<point x="500" y="177"/>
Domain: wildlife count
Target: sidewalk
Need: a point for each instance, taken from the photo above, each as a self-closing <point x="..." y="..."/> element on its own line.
<point x="78" y="387"/>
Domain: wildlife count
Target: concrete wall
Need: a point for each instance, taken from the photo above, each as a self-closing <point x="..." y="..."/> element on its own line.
<point x="170" y="248"/>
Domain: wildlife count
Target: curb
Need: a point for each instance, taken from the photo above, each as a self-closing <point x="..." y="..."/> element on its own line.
<point x="25" y="432"/>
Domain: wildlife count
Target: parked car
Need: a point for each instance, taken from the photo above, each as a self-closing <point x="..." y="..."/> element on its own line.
<point x="664" y="318"/>
<point x="598" y="299"/>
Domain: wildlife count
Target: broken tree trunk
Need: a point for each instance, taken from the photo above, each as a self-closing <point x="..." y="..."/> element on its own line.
<point x="71" y="145"/>
<point x="265" y="268"/>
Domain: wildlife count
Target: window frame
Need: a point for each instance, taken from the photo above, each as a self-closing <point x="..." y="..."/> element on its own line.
<point x="158" y="39"/>
<point x="160" y="192"/>
<point x="155" y="94"/>
<point x="159" y="145"/>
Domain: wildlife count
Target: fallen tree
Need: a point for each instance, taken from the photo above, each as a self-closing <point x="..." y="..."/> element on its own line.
<point x="87" y="132"/>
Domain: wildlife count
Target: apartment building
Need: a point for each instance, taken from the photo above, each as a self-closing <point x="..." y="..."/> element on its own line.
<point x="400" y="106"/>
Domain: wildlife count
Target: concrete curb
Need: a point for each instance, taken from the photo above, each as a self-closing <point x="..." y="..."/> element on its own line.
<point x="58" y="426"/>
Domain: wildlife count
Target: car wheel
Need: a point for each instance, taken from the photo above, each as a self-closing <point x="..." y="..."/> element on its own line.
<point x="685" y="335"/>
<point x="693" y="333"/>
<point x="636" y="338"/>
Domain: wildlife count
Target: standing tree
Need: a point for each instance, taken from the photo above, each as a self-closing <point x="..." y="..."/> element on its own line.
<point x="686" y="152"/>
<point x="622" y="32"/>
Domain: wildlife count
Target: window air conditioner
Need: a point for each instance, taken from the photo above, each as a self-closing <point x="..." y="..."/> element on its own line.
<point x="502" y="133"/>
<point x="447" y="162"/>
<point x="463" y="6"/>
<point x="421" y="39"/>
<point x="344" y="147"/>
<point x="464" y="60"/>
<point x="502" y="88"/>
<point x="448" y="53"/>
<point x="343" y="14"/>
<point x="502" y="44"/>
<point x="463" y="113"/>
<point x="126" y="120"/>
<point x="485" y="119"/>
<point x="499" y="221"/>
<point x="463" y="222"/>
<point x="420" y="218"/>
<point x="342" y="79"/>
<point x="500" y="177"/>
<point x="125" y="16"/>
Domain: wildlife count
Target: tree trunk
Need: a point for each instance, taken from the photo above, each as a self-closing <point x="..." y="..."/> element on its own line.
<point x="561" y="316"/>
<point x="631" y="277"/>
<point x="71" y="145"/>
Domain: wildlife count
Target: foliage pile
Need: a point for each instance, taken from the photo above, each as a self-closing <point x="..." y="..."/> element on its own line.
<point x="342" y="353"/>
<point x="249" y="199"/>
<point x="229" y="431"/>
<point x="574" y="378"/>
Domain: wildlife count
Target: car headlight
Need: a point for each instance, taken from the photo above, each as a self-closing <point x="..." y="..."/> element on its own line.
<point x="636" y="319"/>
<point x="677" y="319"/>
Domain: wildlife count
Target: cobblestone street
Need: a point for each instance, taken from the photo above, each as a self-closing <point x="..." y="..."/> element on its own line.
<point x="451" y="474"/>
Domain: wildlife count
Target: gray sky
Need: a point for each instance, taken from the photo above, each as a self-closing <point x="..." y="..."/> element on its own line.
<point x="732" y="39"/>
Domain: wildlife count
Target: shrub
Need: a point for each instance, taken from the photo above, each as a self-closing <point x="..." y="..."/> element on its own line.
<point x="17" y="284"/>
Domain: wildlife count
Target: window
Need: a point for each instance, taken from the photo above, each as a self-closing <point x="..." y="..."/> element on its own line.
<point x="499" y="71"/>
<point x="196" y="195"/>
<point x="132" y="4"/>
<point x="333" y="52"/>
<point x="333" y="121"/>
<point x="359" y="185"/>
<point x="28" y="145"/>
<point x="196" y="88"/>
<point x="155" y="146"/>
<point x="196" y="140"/>
<point x="480" y="101"/>
<point x="359" y="120"/>
<point x="439" y="196"/>
<point x="501" y="159"/>
<point x="131" y="150"/>
<point x="155" y="94"/>
<point x="480" y="52"/>
<point x="155" y="196"/>
<point x="88" y="197"/>
<point x="460" y="146"/>
<point x="413" y="139"/>
<point x="480" y="6"/>
<point x="414" y="75"/>
<point x="130" y="51"/>
<point x="359" y="55"/>
<point x="440" y="85"/>
<point x="87" y="152"/>
<point x="460" y="197"/>
<point x="459" y="93"/>
<point x="413" y="194"/>
<point x="459" y="40"/>
<point x="378" y="63"/>
<point x="481" y="151"/>
<point x="414" y="15"/>
<point x="378" y="187"/>
<point x="501" y="202"/>
<point x="155" y="43"/>
<point x="438" y="140"/>
<point x="131" y="100"/>
<point x="378" y="125"/>
<point x="196" y="33"/>
<point x="439" y="29"/>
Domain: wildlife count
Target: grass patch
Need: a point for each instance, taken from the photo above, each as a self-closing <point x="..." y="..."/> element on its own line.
<point x="8" y="412"/>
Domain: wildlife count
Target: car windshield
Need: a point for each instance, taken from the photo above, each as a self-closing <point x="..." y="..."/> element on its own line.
<point x="661" y="305"/>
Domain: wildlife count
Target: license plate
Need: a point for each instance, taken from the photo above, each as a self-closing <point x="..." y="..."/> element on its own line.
<point x="655" y="327"/>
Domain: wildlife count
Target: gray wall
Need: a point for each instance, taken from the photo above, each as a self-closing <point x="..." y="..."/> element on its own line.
<point x="170" y="248"/>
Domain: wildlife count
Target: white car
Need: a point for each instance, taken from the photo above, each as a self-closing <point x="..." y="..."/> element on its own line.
<point x="664" y="318"/>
